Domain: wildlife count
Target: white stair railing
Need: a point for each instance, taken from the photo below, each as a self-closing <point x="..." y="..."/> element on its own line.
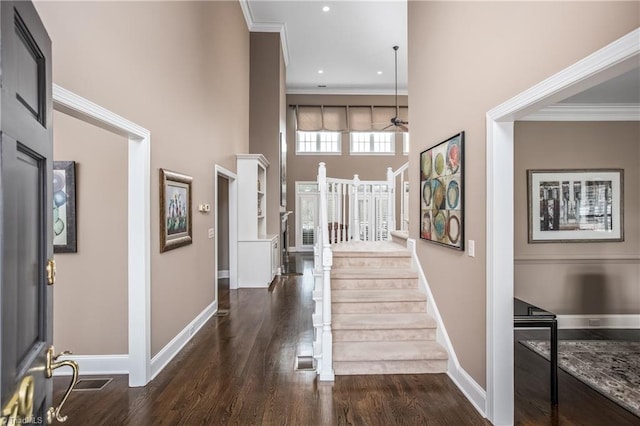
<point x="349" y="210"/>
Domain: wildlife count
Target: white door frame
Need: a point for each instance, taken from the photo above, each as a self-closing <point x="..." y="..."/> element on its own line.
<point x="139" y="223"/>
<point x="614" y="59"/>
<point x="233" y="226"/>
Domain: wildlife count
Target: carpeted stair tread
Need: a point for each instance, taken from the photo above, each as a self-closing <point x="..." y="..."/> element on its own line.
<point x="375" y="296"/>
<point x="370" y="249"/>
<point x="368" y="273"/>
<point x="388" y="351"/>
<point x="382" y="321"/>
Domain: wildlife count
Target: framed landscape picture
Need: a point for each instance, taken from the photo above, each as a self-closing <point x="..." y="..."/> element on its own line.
<point x="64" y="207"/>
<point x="175" y="210"/>
<point x="575" y="205"/>
<point x="442" y="193"/>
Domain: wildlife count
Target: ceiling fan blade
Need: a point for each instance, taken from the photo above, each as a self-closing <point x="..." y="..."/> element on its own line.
<point x="385" y="128"/>
<point x="403" y="127"/>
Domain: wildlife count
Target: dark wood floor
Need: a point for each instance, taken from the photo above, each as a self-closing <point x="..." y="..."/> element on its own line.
<point x="239" y="370"/>
<point x="578" y="403"/>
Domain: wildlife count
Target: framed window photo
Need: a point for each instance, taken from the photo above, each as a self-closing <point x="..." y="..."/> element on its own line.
<point x="64" y="207"/>
<point x="175" y="210"/>
<point x="575" y="205"/>
<point x="442" y="193"/>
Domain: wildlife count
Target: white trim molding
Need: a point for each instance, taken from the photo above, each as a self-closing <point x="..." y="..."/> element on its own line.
<point x="173" y="348"/>
<point x="266" y="27"/>
<point x="585" y="112"/>
<point x="96" y="365"/>
<point x="224" y="273"/>
<point x="611" y="61"/>
<point x="139" y="222"/>
<point x="622" y="321"/>
<point x="467" y="385"/>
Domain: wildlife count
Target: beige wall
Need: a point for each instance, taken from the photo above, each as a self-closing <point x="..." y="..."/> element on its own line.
<point x="464" y="59"/>
<point x="90" y="310"/>
<point x="181" y="70"/>
<point x="267" y="86"/>
<point x="574" y="278"/>
<point x="305" y="167"/>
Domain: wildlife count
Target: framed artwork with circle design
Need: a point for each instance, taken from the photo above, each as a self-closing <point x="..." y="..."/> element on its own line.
<point x="442" y="193"/>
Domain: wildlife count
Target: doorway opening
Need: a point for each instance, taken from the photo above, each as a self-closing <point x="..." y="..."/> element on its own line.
<point x="611" y="61"/>
<point x="226" y="236"/>
<point x="138" y="360"/>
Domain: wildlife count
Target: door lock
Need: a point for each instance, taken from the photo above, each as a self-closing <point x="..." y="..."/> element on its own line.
<point x="54" y="364"/>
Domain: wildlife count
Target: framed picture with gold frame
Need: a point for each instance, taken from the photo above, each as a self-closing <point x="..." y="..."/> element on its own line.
<point x="442" y="193"/>
<point x="175" y="210"/>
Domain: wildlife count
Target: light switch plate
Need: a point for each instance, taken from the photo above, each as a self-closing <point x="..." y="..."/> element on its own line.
<point x="211" y="232"/>
<point x="471" y="251"/>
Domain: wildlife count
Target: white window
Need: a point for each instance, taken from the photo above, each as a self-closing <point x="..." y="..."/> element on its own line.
<point x="405" y="143"/>
<point x="372" y="143"/>
<point x="318" y="142"/>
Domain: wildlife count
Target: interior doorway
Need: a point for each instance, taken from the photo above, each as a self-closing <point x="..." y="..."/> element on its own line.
<point x="225" y="229"/>
<point x="612" y="60"/>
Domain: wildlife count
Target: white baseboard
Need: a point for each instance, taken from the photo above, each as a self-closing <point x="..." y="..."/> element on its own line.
<point x="223" y="274"/>
<point x="96" y="365"/>
<point x="467" y="385"/>
<point x="166" y="354"/>
<point x="598" y="321"/>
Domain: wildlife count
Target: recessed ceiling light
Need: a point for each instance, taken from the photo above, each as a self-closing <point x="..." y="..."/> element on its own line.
<point x="326" y="8"/>
<point x="379" y="72"/>
<point x="320" y="71"/>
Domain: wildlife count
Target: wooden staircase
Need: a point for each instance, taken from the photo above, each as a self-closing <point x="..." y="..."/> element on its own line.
<point x="379" y="315"/>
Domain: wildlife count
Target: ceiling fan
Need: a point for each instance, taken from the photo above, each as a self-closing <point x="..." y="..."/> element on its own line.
<point x="396" y="120"/>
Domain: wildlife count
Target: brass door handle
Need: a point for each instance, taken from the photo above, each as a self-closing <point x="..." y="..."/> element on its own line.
<point x="19" y="408"/>
<point x="51" y="272"/>
<point x="53" y="364"/>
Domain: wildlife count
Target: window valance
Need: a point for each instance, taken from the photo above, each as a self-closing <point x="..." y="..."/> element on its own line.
<point x="347" y="118"/>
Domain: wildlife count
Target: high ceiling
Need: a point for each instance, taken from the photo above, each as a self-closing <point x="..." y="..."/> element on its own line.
<point x="350" y="43"/>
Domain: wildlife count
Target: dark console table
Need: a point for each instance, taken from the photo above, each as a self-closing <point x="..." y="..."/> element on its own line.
<point x="528" y="315"/>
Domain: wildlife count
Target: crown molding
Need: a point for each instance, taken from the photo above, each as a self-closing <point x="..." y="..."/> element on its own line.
<point x="266" y="27"/>
<point x="586" y="112"/>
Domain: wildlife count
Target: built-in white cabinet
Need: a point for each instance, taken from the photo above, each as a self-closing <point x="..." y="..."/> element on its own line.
<point x="257" y="251"/>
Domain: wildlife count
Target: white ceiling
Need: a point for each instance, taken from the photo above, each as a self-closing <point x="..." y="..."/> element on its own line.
<point x="350" y="43"/>
<point x="624" y="89"/>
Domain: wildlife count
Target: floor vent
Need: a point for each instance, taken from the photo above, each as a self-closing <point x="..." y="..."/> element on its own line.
<point x="91" y="384"/>
<point x="222" y="313"/>
<point x="305" y="363"/>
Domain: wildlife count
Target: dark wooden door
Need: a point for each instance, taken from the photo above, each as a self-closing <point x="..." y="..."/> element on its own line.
<point x="26" y="262"/>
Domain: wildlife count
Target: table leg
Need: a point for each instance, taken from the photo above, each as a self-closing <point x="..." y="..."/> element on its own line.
<point x="554" y="361"/>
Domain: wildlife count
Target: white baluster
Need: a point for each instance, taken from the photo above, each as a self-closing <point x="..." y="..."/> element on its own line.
<point x="356" y="207"/>
<point x="391" y="203"/>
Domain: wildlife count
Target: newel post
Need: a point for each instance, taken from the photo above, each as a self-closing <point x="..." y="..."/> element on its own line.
<point x="391" y="203"/>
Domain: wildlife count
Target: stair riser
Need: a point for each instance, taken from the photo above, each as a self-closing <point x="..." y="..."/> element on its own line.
<point x="373" y="284"/>
<point x="389" y="367"/>
<point x="383" y="335"/>
<point x="378" y="307"/>
<point x="372" y="262"/>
